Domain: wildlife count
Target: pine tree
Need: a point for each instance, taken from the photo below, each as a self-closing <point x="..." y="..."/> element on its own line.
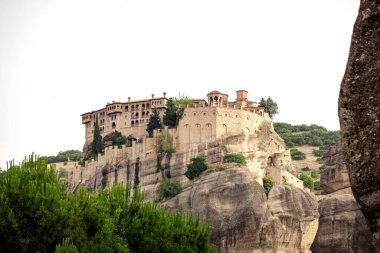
<point x="154" y="123"/>
<point x="97" y="145"/>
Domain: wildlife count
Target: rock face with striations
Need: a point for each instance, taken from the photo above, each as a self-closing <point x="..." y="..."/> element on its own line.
<point x="243" y="219"/>
<point x="342" y="226"/>
<point x="359" y="113"/>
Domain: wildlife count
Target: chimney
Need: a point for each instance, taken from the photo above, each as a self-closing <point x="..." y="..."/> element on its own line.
<point x="152" y="95"/>
<point x="129" y="99"/>
<point x="164" y="94"/>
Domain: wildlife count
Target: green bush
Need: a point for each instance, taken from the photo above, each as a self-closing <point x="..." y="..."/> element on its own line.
<point x="166" y="142"/>
<point x="119" y="139"/>
<point x="169" y="188"/>
<point x="297" y="155"/>
<point x="196" y="167"/>
<point x="314" y="174"/>
<point x="39" y="215"/>
<point x="63" y="173"/>
<point x="267" y="184"/>
<point x="235" y="158"/>
<point x="308" y="181"/>
<point x="317" y="185"/>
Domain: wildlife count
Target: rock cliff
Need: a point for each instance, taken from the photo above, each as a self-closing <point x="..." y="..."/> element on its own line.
<point x="342" y="226"/>
<point x="359" y="113"/>
<point x="243" y="219"/>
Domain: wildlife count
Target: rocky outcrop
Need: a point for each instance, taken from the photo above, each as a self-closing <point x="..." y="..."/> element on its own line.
<point x="335" y="177"/>
<point x="243" y="219"/>
<point x="359" y="112"/>
<point x="342" y="226"/>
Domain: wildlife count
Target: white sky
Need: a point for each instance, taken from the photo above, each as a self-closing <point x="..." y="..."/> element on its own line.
<point x="59" y="59"/>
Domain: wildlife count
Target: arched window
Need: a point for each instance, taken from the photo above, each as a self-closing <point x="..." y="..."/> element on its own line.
<point x="113" y="124"/>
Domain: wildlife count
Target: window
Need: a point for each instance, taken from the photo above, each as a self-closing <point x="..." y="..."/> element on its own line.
<point x="113" y="124"/>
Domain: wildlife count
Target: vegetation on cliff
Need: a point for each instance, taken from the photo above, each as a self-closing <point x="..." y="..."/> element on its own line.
<point x="169" y="188"/>
<point x="235" y="158"/>
<point x="196" y="167"/>
<point x="308" y="181"/>
<point x="39" y="215"/>
<point x="270" y="106"/>
<point x="267" y="184"/>
<point x="298" y="135"/>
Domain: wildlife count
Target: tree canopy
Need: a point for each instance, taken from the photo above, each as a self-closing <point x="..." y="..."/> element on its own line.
<point x="270" y="106"/>
<point x="39" y="215"/>
<point x="64" y="156"/>
<point x="175" y="108"/>
<point x="154" y="122"/>
<point x="298" y="135"/>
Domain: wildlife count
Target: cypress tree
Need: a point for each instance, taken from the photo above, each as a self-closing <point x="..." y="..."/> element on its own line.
<point x="154" y="123"/>
<point x="170" y="116"/>
<point x="97" y="145"/>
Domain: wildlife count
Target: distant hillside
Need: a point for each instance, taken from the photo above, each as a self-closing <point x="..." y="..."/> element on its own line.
<point x="300" y="135"/>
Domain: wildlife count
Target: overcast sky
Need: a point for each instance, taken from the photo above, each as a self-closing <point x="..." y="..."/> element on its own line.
<point x="59" y="59"/>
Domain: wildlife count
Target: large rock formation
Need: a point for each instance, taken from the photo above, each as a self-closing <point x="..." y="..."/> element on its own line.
<point x="342" y="226"/>
<point x="359" y="113"/>
<point x="243" y="219"/>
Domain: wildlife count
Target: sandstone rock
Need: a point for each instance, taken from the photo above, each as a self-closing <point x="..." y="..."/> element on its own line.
<point x="240" y="214"/>
<point x="359" y="112"/>
<point x="233" y="203"/>
<point x="335" y="177"/>
<point x="342" y="226"/>
<point x="294" y="223"/>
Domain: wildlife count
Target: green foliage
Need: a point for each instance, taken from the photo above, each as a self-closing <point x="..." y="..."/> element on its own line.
<point x="196" y="167"/>
<point x="169" y="188"/>
<point x="39" y="215"/>
<point x="62" y="173"/>
<point x="235" y="158"/>
<point x="297" y="155"/>
<point x="270" y="106"/>
<point x="268" y="184"/>
<point x="314" y="174"/>
<point x="170" y="116"/>
<point x="175" y="108"/>
<point x="308" y="181"/>
<point x="97" y="145"/>
<point x="298" y="135"/>
<point x="317" y="186"/>
<point x="119" y="139"/>
<point x="64" y="156"/>
<point x="321" y="152"/>
<point x="166" y="142"/>
<point x="154" y="122"/>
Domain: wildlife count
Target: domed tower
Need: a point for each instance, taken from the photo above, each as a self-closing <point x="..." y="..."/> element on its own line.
<point x="216" y="98"/>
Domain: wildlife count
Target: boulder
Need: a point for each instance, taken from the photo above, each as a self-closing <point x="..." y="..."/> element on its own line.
<point x="241" y="217"/>
<point x="335" y="177"/>
<point x="359" y="113"/>
<point x="342" y="226"/>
